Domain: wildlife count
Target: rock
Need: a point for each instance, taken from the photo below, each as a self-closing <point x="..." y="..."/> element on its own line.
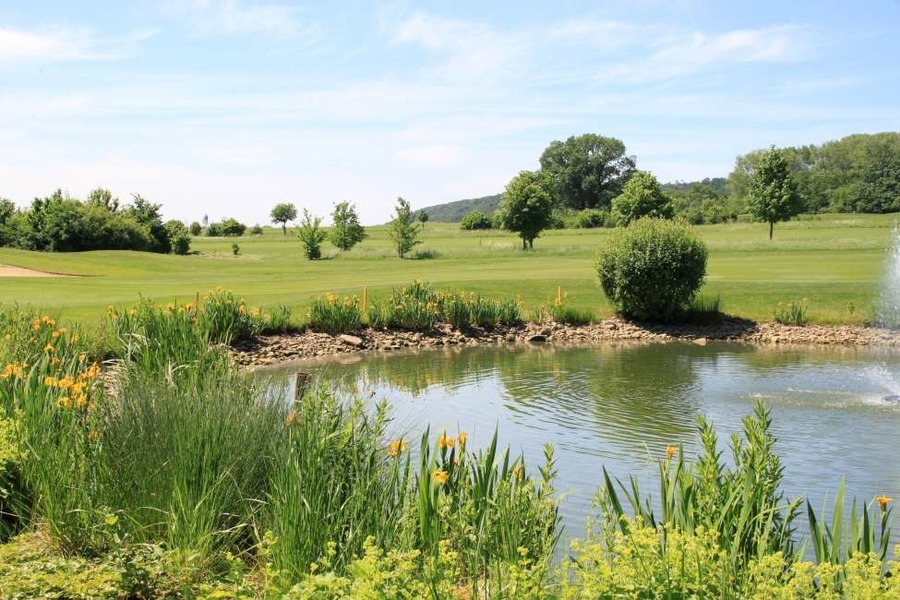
<point x="700" y="341"/>
<point x="351" y="340"/>
<point x="537" y="338"/>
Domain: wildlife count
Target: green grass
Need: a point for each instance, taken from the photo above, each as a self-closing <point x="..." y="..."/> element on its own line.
<point x="836" y="261"/>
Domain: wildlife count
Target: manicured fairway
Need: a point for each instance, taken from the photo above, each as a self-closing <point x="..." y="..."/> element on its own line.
<point x="834" y="261"/>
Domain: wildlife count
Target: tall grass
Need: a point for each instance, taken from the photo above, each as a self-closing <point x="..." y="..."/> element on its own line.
<point x="486" y="507"/>
<point x="743" y="504"/>
<point x="335" y="483"/>
<point x="334" y="315"/>
<point x="419" y="307"/>
<point x="187" y="455"/>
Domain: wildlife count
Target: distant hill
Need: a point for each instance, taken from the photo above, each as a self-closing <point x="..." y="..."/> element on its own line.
<point x="453" y="212"/>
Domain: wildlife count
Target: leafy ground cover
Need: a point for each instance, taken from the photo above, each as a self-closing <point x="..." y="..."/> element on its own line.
<point x="834" y="261"/>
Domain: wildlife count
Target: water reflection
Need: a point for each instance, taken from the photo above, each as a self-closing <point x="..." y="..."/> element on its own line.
<point x="620" y="406"/>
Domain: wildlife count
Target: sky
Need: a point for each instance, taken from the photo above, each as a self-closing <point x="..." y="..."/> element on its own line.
<point x="225" y="108"/>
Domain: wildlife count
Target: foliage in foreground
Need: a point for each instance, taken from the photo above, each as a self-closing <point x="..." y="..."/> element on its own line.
<point x="175" y="454"/>
<point x="416" y="307"/>
<point x="652" y="269"/>
<point x="135" y="484"/>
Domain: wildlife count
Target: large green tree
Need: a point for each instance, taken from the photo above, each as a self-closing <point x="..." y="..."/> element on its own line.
<point x="641" y="197"/>
<point x="588" y="171"/>
<point x="346" y="231"/>
<point x="526" y="207"/>
<point x="772" y="194"/>
<point x="404" y="230"/>
<point x="282" y="213"/>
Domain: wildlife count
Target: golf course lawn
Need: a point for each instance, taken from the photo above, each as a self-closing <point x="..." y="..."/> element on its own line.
<point x="834" y="262"/>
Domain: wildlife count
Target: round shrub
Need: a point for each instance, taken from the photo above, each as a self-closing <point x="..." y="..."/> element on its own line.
<point x="591" y="218"/>
<point x="652" y="268"/>
<point x="476" y="220"/>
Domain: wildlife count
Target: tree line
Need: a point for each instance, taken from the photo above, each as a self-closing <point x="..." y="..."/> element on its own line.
<point x="59" y="223"/>
<point x="591" y="181"/>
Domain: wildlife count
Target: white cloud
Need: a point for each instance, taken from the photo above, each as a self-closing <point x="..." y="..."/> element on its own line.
<point x="469" y="49"/>
<point x="680" y="54"/>
<point x="234" y="17"/>
<point x="64" y="44"/>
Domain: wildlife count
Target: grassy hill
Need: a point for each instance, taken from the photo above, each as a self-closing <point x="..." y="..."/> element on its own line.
<point x="453" y="212"/>
<point x="834" y="261"/>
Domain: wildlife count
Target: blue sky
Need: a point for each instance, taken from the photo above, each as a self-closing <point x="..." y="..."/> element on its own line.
<point x="227" y="107"/>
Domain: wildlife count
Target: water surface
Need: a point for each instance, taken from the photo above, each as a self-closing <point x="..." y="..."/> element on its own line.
<point x="619" y="406"/>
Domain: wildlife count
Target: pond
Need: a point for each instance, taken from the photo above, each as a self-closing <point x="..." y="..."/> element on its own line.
<point x="620" y="406"/>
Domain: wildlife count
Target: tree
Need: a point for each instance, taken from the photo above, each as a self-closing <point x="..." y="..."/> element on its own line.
<point x="641" y="197"/>
<point x="196" y="228"/>
<point x="346" y="231"/>
<point x="147" y="213"/>
<point x="527" y="205"/>
<point x="422" y="217"/>
<point x="282" y="213"/>
<point x="588" y="171"/>
<point x="404" y="230"/>
<point x="772" y="195"/>
<point x="104" y="198"/>
<point x="311" y="235"/>
<point x="652" y="269"/>
<point x="180" y="237"/>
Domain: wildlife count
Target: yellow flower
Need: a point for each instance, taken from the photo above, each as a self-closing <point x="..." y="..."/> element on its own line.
<point x="463" y="436"/>
<point x="80" y="400"/>
<point x="48" y="321"/>
<point x="64" y="402"/>
<point x="50" y="381"/>
<point x="12" y="370"/>
<point x="94" y="435"/>
<point x="671" y="451"/>
<point x="397" y="447"/>
<point x="55" y="334"/>
<point x="883" y="501"/>
<point x="65" y="383"/>
<point x="440" y="476"/>
<point x="445" y="441"/>
<point x="54" y="361"/>
<point x="49" y="348"/>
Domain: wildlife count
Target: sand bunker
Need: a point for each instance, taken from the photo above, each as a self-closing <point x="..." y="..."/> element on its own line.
<point x="7" y="271"/>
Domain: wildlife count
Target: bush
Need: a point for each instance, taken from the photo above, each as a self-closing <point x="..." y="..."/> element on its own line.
<point x="476" y="220"/>
<point x="591" y="218"/>
<point x="652" y="269"/>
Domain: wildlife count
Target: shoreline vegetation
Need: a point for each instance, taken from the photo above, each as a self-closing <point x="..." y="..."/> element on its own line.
<point x="160" y="473"/>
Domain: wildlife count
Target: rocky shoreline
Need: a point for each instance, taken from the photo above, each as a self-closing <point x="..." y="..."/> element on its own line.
<point x="274" y="349"/>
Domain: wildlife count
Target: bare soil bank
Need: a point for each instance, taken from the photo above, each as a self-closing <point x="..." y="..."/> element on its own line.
<point x="9" y="271"/>
<point x="267" y="350"/>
